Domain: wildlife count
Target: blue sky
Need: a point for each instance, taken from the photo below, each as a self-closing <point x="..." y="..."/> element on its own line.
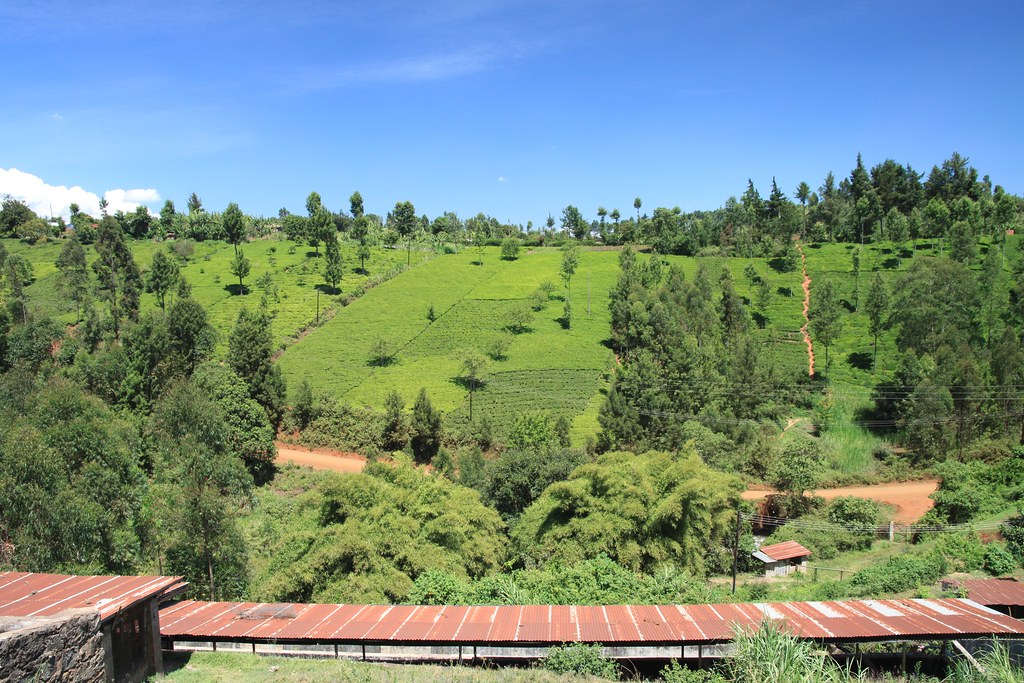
<point x="511" y="108"/>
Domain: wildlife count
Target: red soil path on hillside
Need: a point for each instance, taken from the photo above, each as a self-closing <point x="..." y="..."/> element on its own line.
<point x="806" y="284"/>
<point x="910" y="498"/>
<point x="319" y="458"/>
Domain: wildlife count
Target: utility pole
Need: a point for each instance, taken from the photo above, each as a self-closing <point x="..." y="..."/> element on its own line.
<point x="735" y="550"/>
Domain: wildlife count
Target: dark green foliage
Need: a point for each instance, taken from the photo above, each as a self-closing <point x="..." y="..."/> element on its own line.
<point x="201" y="484"/>
<point x="30" y="346"/>
<point x="1013" y="531"/>
<point x="303" y="410"/>
<point x="969" y="489"/>
<point x="71" y="490"/>
<point x="250" y="434"/>
<point x="424" y="428"/>
<point x="582" y="660"/>
<point x="250" y="355"/>
<point x="396" y="425"/>
<point x="366" y="537"/>
<point x="899" y="573"/>
<point x="74" y="274"/>
<point x="233" y="224"/>
<point x="191" y="337"/>
<point x="824" y="313"/>
<point x="13" y="214"/>
<point x="998" y="560"/>
<point x="119" y="280"/>
<point x="520" y="476"/>
<point x="333" y="268"/>
<point x="936" y="302"/>
<point x="641" y="510"/>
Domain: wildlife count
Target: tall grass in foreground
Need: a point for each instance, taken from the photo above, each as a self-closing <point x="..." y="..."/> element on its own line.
<point x="773" y="655"/>
<point x="996" y="668"/>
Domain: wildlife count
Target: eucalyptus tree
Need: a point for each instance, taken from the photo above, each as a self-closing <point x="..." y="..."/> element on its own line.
<point x="74" y="274"/>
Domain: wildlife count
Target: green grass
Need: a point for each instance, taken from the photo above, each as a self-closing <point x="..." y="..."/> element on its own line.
<point x="546" y="367"/>
<point x="224" y="667"/>
<point x="295" y="269"/>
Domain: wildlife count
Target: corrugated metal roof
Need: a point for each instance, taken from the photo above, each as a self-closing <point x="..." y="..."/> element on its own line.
<point x="1003" y="592"/>
<point x="611" y="625"/>
<point x="24" y="594"/>
<point x="784" y="551"/>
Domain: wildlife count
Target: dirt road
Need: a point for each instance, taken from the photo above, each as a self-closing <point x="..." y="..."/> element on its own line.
<point x="909" y="498"/>
<point x="320" y="458"/>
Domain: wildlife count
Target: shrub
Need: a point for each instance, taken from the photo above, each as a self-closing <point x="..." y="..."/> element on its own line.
<point x="580" y="659"/>
<point x="773" y="654"/>
<point x="899" y="573"/>
<point x="677" y="673"/>
<point x="998" y="560"/>
<point x="510" y="249"/>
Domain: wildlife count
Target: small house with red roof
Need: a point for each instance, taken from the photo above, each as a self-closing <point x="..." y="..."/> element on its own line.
<point x="781" y="559"/>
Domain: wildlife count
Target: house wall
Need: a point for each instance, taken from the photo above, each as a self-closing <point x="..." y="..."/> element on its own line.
<point x="63" y="648"/>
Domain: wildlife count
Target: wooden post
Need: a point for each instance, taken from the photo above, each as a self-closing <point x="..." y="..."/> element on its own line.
<point x="700" y="656"/>
<point x="254" y="647"/>
<point x="892" y="530"/>
<point x="335" y="650"/>
<point x="364" y="653"/>
<point x="154" y="654"/>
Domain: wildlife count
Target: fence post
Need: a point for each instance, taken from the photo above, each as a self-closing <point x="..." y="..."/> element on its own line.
<point x="892" y="530"/>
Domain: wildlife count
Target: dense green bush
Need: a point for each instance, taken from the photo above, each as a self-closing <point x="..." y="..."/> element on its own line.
<point x="519" y="476"/>
<point x="580" y="659"/>
<point x="899" y="573"/>
<point x="641" y="510"/>
<point x="998" y="560"/>
<point x="367" y="537"/>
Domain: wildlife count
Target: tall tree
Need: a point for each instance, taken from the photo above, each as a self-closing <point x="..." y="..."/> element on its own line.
<point x="877" y="307"/>
<point x="120" y="281"/>
<point x="250" y="354"/>
<point x="570" y="262"/>
<point x="320" y="228"/>
<point x="404" y="217"/>
<point x="636" y="205"/>
<point x="162" y="277"/>
<point x="313" y="203"/>
<point x="425" y="428"/>
<point x="361" y="233"/>
<point x="167" y="214"/>
<point x="573" y="223"/>
<point x="333" y="265"/>
<point x="824" y="313"/>
<point x="195" y="204"/>
<point x="240" y="268"/>
<point x="74" y="274"/>
<point x="191" y="337"/>
<point x="233" y="223"/>
<point x="356" y="204"/>
<point x="203" y="486"/>
<point x="474" y="364"/>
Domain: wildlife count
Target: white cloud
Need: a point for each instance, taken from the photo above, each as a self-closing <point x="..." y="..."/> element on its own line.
<point x="502" y="179"/>
<point x="56" y="200"/>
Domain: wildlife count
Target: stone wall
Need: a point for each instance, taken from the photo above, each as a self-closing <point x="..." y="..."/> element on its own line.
<point x="63" y="648"/>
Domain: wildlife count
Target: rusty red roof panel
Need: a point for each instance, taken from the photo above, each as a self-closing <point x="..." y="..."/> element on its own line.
<point x="545" y="625"/>
<point x="784" y="551"/>
<point x="1001" y="592"/>
<point x="24" y="594"/>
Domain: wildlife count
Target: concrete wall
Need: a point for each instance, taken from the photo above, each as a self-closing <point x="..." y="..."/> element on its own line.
<point x="63" y="648"/>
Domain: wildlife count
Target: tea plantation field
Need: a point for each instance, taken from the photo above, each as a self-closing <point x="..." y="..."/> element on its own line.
<point x="294" y="269"/>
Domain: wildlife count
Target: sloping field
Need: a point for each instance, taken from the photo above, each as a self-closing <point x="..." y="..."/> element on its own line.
<point x="546" y="367"/>
<point x="295" y="271"/>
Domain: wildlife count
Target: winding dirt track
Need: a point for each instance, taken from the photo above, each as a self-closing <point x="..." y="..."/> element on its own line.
<point x="806" y="284"/>
<point x="319" y="458"/>
<point x="910" y="498"/>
